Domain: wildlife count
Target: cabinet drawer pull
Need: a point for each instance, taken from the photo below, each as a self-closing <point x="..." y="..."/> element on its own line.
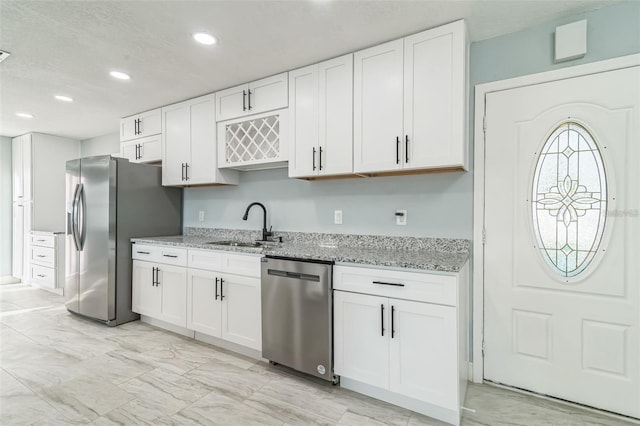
<point x="320" y="157"/>
<point x="41" y="241"/>
<point x="221" y="282"/>
<point x="142" y="252"/>
<point x="186" y="171"/>
<point x="216" y="298"/>
<point x="385" y="283"/>
<point x="182" y="171"/>
<point x="40" y="255"/>
<point x="406" y="148"/>
<point x="393" y="329"/>
<point x="244" y="100"/>
<point x="313" y="156"/>
<point x="249" y="100"/>
<point x="382" y="319"/>
<point x="41" y="276"/>
<point x="170" y="255"/>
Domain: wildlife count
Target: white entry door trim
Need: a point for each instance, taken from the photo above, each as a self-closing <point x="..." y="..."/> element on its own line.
<point x="481" y="91"/>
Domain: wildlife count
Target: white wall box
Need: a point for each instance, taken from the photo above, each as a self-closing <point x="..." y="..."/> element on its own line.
<point x="140" y="125"/>
<point x="39" y="167"/>
<point x="410" y="103"/>
<point x="159" y="283"/>
<point x="189" y="145"/>
<point x="254" y="143"/>
<point x="260" y="96"/>
<point x="402" y="337"/>
<point x="144" y="150"/>
<point x="321" y="119"/>
<point x="47" y="260"/>
<point x="224" y="297"/>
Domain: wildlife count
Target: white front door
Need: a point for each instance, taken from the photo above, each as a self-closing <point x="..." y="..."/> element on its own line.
<point x="562" y="251"/>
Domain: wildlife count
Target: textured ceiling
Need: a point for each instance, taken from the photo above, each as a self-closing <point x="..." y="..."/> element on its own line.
<point x="68" y="47"/>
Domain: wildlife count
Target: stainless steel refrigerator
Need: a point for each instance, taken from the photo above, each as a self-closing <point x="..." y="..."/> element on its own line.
<point x="110" y="201"/>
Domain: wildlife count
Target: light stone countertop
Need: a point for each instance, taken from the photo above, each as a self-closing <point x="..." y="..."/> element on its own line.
<point x="365" y="250"/>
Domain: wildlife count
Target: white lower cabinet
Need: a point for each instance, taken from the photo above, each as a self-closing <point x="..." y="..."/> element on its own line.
<point x="159" y="291"/>
<point x="411" y="353"/>
<point x="214" y="293"/>
<point x="224" y="305"/>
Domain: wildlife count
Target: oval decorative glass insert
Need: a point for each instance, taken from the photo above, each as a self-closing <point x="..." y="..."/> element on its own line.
<point x="569" y="200"/>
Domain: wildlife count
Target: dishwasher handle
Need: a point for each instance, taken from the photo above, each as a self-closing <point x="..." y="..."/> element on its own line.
<point x="294" y="275"/>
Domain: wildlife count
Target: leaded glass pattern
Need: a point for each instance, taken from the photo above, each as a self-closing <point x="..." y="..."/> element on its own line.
<point x="569" y="200"/>
<point x="255" y="139"/>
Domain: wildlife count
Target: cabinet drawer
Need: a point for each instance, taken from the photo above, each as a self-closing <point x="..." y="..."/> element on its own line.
<point x="43" y="275"/>
<point x="161" y="254"/>
<point x="43" y="240"/>
<point x="205" y="259"/>
<point x="440" y="289"/>
<point x="43" y="255"/>
<point x="241" y="264"/>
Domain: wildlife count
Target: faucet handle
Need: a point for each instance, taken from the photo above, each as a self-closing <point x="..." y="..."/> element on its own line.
<point x="270" y="231"/>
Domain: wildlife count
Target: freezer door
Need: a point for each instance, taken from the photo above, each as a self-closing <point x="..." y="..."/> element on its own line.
<point x="72" y="267"/>
<point x="97" y="240"/>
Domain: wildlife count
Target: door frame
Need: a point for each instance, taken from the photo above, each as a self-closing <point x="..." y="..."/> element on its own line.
<point x="479" y="126"/>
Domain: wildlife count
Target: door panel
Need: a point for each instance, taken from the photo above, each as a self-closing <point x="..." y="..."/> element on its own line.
<point x="573" y="337"/>
<point x="172" y="282"/>
<point x="267" y="94"/>
<point x="146" y="298"/>
<point x="424" y="362"/>
<point x="303" y="121"/>
<point x="202" y="162"/>
<point x="72" y="255"/>
<point x="97" y="237"/>
<point x="203" y="302"/>
<point x="176" y="143"/>
<point x="361" y="345"/>
<point x="378" y="102"/>
<point x="241" y="310"/>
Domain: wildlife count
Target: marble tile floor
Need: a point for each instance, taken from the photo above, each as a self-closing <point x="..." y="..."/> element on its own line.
<point x="60" y="369"/>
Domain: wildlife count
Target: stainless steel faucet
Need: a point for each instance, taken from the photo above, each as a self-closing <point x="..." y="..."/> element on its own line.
<point x="265" y="233"/>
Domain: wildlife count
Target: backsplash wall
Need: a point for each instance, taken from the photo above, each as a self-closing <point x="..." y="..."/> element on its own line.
<point x="437" y="204"/>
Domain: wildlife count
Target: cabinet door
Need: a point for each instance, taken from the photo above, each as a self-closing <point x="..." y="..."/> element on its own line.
<point x="232" y="102"/>
<point x="150" y="149"/>
<point x="267" y="94"/>
<point x="434" y="98"/>
<point x="129" y="150"/>
<point x="172" y="281"/>
<point x="335" y="154"/>
<point x="18" y="246"/>
<point x="361" y="337"/>
<point x="241" y="310"/>
<point x="150" y="123"/>
<point x="202" y="165"/>
<point x="17" y="145"/>
<point x="146" y="298"/>
<point x="423" y="351"/>
<point x="128" y="128"/>
<point x="303" y="122"/>
<point x="176" y="142"/>
<point x="378" y="118"/>
<point x="203" y="302"/>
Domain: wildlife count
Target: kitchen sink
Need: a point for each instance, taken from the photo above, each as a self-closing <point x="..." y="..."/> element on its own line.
<point x="236" y="243"/>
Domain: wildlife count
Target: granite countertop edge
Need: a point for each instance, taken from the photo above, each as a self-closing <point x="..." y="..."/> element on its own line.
<point x="425" y="260"/>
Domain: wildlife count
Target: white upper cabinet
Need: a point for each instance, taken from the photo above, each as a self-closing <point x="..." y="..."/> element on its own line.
<point x="143" y="150"/>
<point x="252" y="98"/>
<point x="21" y="162"/>
<point x="409" y="102"/>
<point x="321" y="119"/>
<point x="140" y="125"/>
<point x="189" y="155"/>
<point x="378" y="102"/>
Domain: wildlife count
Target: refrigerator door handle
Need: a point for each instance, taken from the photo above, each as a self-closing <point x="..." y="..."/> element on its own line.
<point x="83" y="218"/>
<point x="74" y="217"/>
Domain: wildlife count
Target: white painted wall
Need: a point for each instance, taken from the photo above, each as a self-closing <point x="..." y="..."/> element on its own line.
<point x="100" y="145"/>
<point x="6" y="210"/>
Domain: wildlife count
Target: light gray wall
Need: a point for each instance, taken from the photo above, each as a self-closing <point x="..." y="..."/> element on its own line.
<point x="6" y="209"/>
<point x="437" y="204"/>
<point x="100" y="145"/>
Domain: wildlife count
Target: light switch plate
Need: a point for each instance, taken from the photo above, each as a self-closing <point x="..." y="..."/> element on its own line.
<point x="201" y="215"/>
<point x="337" y="217"/>
<point x="401" y="217"/>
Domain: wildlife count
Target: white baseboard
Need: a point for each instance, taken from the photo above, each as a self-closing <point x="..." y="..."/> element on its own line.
<point x="233" y="347"/>
<point x="167" y="326"/>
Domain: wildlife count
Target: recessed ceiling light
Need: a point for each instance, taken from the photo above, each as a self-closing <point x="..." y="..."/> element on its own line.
<point x="204" y="38"/>
<point x="119" y="75"/>
<point x="63" y="98"/>
<point x="24" y="115"/>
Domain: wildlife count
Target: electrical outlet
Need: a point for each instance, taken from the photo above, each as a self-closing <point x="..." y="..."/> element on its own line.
<point x="401" y="217"/>
<point x="337" y="217"/>
<point x="201" y="215"/>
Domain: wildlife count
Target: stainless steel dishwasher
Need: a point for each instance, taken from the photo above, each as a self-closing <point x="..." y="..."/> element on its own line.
<point x="297" y="315"/>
